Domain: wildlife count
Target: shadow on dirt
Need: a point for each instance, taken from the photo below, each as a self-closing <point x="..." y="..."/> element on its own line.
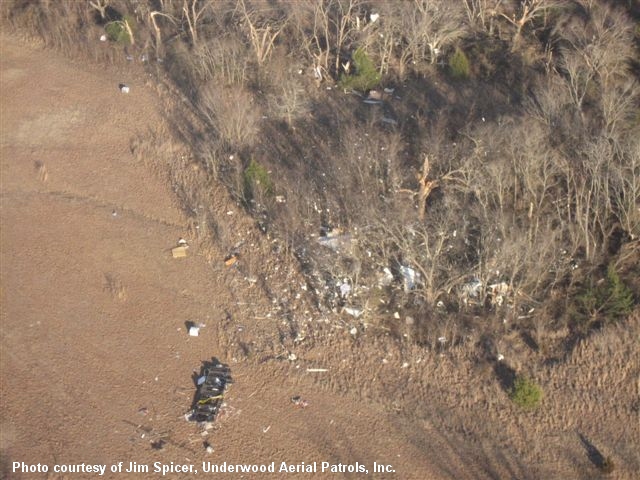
<point x="594" y="455"/>
<point x="5" y="468"/>
<point x="505" y="375"/>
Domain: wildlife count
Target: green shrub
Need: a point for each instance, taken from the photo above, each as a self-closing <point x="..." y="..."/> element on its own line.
<point x="257" y="181"/>
<point x="526" y="393"/>
<point x="609" y="300"/>
<point x="366" y="75"/>
<point x="459" y="65"/>
<point x="117" y="30"/>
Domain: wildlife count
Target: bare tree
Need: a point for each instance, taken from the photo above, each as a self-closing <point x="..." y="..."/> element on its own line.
<point x="324" y="29"/>
<point x="192" y="11"/>
<point x="619" y="104"/>
<point x="262" y="34"/>
<point x="436" y="25"/>
<point x="524" y="14"/>
<point x="626" y="185"/>
<point x="482" y="13"/>
<point x="231" y="112"/>
<point x="101" y="6"/>
<point x="156" y="30"/>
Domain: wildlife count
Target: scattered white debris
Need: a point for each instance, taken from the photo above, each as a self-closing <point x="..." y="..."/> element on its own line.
<point x="292" y="357"/>
<point x="194" y="331"/>
<point x="336" y="241"/>
<point x="389" y="90"/>
<point x="409" y="320"/>
<point x="103" y="38"/>
<point x="374" y="17"/>
<point x="353" y="331"/>
<point x="440" y="304"/>
<point x="201" y="380"/>
<point x="280" y="199"/>
<point x="266" y="429"/>
<point x="317" y="370"/>
<point x="389" y="120"/>
<point x="124" y="88"/>
<point x="442" y="339"/>
<point x="405" y="365"/>
<point x="385" y="361"/>
<point x="396" y="315"/>
<point x="500" y="357"/>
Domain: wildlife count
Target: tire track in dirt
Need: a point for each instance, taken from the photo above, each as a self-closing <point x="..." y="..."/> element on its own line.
<point x="92" y="201"/>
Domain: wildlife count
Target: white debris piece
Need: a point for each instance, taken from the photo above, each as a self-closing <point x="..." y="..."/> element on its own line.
<point x="498" y="292"/>
<point x="470" y="290"/>
<point x="354" y="312"/>
<point x="345" y="289"/>
<point x="103" y="38"/>
<point x="442" y="339"/>
<point x="353" y="331"/>
<point x="374" y="17"/>
<point x="500" y="357"/>
<point x="387" y="277"/>
<point x="124" y="88"/>
<point x="194" y="331"/>
<point x="411" y="278"/>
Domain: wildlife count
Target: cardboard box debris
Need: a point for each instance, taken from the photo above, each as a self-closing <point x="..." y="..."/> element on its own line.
<point x="179" y="252"/>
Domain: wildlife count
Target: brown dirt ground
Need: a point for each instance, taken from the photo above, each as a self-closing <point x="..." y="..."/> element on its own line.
<point x="93" y="310"/>
<point x="93" y="305"/>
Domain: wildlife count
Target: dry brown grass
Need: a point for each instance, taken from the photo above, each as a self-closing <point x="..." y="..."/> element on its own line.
<point x="594" y="393"/>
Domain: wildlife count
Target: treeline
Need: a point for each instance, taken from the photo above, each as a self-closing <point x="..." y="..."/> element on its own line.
<point x="452" y="155"/>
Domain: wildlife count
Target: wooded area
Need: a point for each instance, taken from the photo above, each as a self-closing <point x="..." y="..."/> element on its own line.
<point x="487" y="149"/>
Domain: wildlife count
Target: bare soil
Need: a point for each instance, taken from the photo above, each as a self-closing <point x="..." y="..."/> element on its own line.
<point x="96" y="364"/>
